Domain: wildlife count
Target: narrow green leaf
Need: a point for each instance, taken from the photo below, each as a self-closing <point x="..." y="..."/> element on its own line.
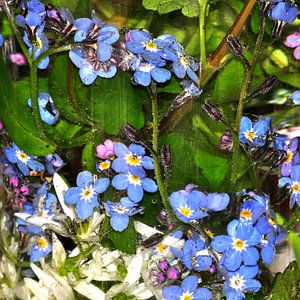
<point x="88" y="159"/>
<point x="126" y="240"/>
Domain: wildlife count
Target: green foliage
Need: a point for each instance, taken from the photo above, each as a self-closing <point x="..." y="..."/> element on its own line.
<point x="17" y="117"/>
<point x="189" y="8"/>
<point x="126" y="240"/>
<point x="112" y="102"/>
<point x="286" y="286"/>
<point x="88" y="159"/>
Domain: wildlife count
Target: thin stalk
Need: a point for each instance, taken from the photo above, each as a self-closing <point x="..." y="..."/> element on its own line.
<point x="15" y="29"/>
<point x="155" y="144"/>
<point x="202" y="33"/>
<point x="242" y="101"/>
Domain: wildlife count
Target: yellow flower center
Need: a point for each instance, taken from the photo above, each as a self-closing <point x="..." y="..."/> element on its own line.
<point x="272" y="221"/>
<point x="296" y="187"/>
<point x="186" y="296"/>
<point x="22" y="156"/>
<point x="193" y="259"/>
<point x="185" y="211"/>
<point x="42" y="242"/>
<point x="184" y="60"/>
<point x="104" y="165"/>
<point x="134" y="179"/>
<point x="133" y="160"/>
<point x="87" y="193"/>
<point x="39" y="43"/>
<point x="289" y="156"/>
<point x="247" y="214"/>
<point x="209" y="233"/>
<point x="239" y="244"/>
<point x="151" y="46"/>
<point x="161" y="248"/>
<point x="250" y="135"/>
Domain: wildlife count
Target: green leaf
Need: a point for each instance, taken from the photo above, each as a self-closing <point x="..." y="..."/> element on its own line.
<point x="113" y="102"/>
<point x="67" y="130"/>
<point x="189" y="8"/>
<point x="294" y="239"/>
<point x="286" y="286"/>
<point x="125" y="240"/>
<point x="228" y="83"/>
<point x="71" y="5"/>
<point x="88" y="159"/>
<point x="17" y="117"/>
<point x="61" y="89"/>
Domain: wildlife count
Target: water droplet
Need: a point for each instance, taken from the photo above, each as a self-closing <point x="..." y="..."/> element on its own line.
<point x="154" y="201"/>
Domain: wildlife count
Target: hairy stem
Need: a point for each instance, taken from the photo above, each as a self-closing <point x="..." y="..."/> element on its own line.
<point x="155" y="144"/>
<point x="15" y="29"/>
<point x="202" y="34"/>
<point x="236" y="159"/>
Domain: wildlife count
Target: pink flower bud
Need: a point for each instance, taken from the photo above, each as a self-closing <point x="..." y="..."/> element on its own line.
<point x="18" y="59"/>
<point x="173" y="273"/>
<point x="24" y="190"/>
<point x="105" y="150"/>
<point x="1" y="125"/>
<point x="14" y="181"/>
<point x="163" y="265"/>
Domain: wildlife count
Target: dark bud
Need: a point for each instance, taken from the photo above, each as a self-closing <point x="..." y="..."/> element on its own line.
<point x="282" y="196"/>
<point x="277" y="30"/>
<point x="265" y="87"/>
<point x="166" y="157"/>
<point x="132" y="134"/>
<point x="226" y="141"/>
<point x="153" y="240"/>
<point x="265" y="7"/>
<point x="212" y="111"/>
<point x="234" y="45"/>
<point x="121" y="57"/>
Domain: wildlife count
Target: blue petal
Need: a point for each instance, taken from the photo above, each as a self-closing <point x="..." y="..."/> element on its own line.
<point x="172" y="292"/>
<point x="231" y="227"/>
<point x="120" y="182"/>
<point x="87" y="74"/>
<point x="80" y="35"/>
<point x="221" y="243"/>
<point x="177" y="199"/>
<point x="160" y="74"/>
<point x="101" y="185"/>
<point x="140" y="36"/>
<point x="202" y="294"/>
<point x="84" y="209"/>
<point x="190" y="283"/>
<point x="119" y="222"/>
<point x="135" y="192"/>
<point x="179" y="69"/>
<point x="10" y="154"/>
<point x="192" y="75"/>
<point x="108" y="34"/>
<point x="244" y="231"/>
<point x="250" y="256"/>
<point x="246" y="125"/>
<point x="83" y="24"/>
<point x="284" y="181"/>
<point x="72" y="195"/>
<point x="196" y="200"/>
<point x="147" y="163"/>
<point x="35" y="165"/>
<point x="84" y="179"/>
<point x="253" y="285"/>
<point x="149" y="185"/>
<point x="217" y="201"/>
<point x="76" y="57"/>
<point x="121" y="150"/>
<point x="43" y="64"/>
<point x="142" y="78"/>
<point x="267" y="254"/>
<point x="248" y="272"/>
<point x="111" y="72"/>
<point x="23" y="168"/>
<point x="104" y="52"/>
<point x="261" y="126"/>
<point x="135" y="47"/>
<point x="120" y="165"/>
<point x="232" y="260"/>
<point x="137" y="150"/>
<point x="295" y="174"/>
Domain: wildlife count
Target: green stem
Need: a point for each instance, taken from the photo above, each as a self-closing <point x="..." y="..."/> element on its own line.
<point x="155" y="144"/>
<point x="236" y="159"/>
<point x="202" y="34"/>
<point x="14" y="27"/>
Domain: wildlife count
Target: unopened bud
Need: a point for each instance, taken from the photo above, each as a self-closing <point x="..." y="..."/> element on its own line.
<point x="131" y="133"/>
<point x="265" y="87"/>
<point x="234" y="45"/>
<point x="226" y="141"/>
<point x="212" y="111"/>
<point x="165" y="157"/>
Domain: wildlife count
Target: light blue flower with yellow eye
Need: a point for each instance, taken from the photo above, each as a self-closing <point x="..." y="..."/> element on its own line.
<point x="40" y="249"/>
<point x="24" y="161"/>
<point x="49" y="113"/>
<point x="85" y="195"/>
<point x="120" y="212"/>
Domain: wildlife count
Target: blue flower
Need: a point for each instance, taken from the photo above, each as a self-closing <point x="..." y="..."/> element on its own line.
<point x="23" y="160"/>
<point x="134" y="184"/>
<point x="194" y="254"/>
<point x="119" y="212"/>
<point x="292" y="157"/>
<point x="193" y="205"/>
<point x="293" y="183"/>
<point x="238" y="245"/>
<point x="85" y="195"/>
<point x="41" y="249"/>
<point x="88" y="70"/>
<point x="1" y="40"/>
<point x="38" y="45"/>
<point x="132" y="159"/>
<point x="279" y="141"/>
<point x="254" y="134"/>
<point x="295" y="97"/>
<point x="251" y="210"/>
<point x="184" y="65"/>
<point x="49" y="113"/>
<point x="285" y="12"/>
<point x="140" y="42"/>
<point x="145" y="71"/>
<point x="241" y="281"/>
<point x="53" y="163"/>
<point x="188" y="290"/>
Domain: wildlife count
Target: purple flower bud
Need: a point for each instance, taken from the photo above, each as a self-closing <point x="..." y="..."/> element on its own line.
<point x="14" y="181"/>
<point x="24" y="190"/>
<point x="173" y="273"/>
<point x="226" y="141"/>
<point x="161" y="278"/>
<point x="163" y="265"/>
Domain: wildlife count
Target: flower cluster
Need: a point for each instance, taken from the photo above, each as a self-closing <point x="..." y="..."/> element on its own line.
<point x="152" y="57"/>
<point x="293" y="41"/>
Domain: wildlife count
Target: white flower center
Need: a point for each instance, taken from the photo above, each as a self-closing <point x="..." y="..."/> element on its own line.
<point x="146" y="68"/>
<point x="87" y="194"/>
<point x="239" y="245"/>
<point x="237" y="282"/>
<point x="22" y="156"/>
<point x="295" y="187"/>
<point x="133" y="179"/>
